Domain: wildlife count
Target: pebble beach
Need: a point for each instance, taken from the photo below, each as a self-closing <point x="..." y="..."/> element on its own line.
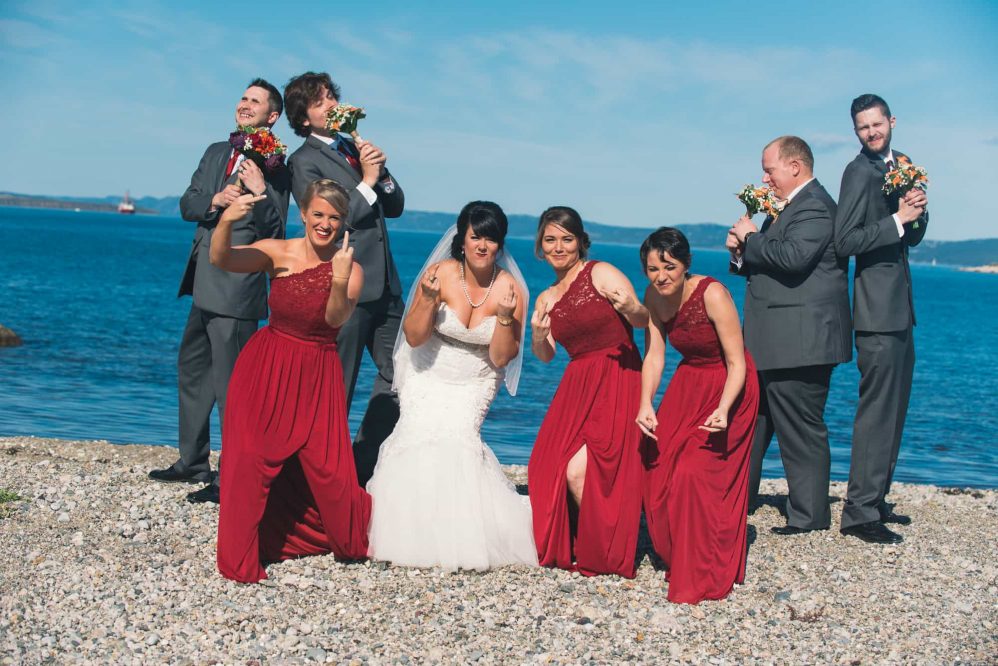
<point x="100" y="565"/>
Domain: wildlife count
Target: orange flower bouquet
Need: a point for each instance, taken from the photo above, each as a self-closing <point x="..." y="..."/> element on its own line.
<point x="760" y="200"/>
<point x="905" y="177"/>
<point x="343" y="118"/>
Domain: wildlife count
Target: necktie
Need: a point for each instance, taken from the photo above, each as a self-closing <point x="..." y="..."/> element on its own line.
<point x="232" y="163"/>
<point x="351" y="160"/>
<point x="890" y="164"/>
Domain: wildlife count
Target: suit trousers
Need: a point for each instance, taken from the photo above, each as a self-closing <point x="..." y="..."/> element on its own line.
<point x="374" y="326"/>
<point x="792" y="405"/>
<point x="208" y="352"/>
<point x="886" y="363"/>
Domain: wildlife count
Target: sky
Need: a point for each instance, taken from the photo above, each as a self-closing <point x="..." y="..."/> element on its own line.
<point x="634" y="113"/>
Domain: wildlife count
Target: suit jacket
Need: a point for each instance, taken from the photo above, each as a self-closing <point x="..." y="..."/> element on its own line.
<point x="864" y="226"/>
<point x="368" y="233"/>
<point x="239" y="295"/>
<point x="797" y="297"/>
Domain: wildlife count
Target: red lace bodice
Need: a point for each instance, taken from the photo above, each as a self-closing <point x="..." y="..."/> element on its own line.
<point x="583" y="321"/>
<point x="692" y="333"/>
<point x="298" y="304"/>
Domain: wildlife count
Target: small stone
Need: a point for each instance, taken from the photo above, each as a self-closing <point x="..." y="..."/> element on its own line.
<point x="316" y="654"/>
<point x="476" y="655"/>
<point x="152" y="639"/>
<point x="63" y="517"/>
<point x="567" y="587"/>
<point x="782" y="596"/>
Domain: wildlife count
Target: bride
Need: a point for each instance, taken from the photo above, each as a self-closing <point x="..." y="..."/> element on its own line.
<point x="440" y="497"/>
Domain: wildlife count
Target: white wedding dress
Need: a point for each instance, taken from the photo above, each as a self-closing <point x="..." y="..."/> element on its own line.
<point x="440" y="497"/>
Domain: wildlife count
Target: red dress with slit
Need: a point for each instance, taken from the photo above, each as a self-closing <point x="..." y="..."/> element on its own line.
<point x="288" y="481"/>
<point x="594" y="406"/>
<point x="696" y="483"/>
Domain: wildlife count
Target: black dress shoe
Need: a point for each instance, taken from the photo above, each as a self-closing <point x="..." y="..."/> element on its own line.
<point x="895" y="518"/>
<point x="872" y="532"/>
<point x="207" y="494"/>
<point x="790" y="530"/>
<point x="171" y="475"/>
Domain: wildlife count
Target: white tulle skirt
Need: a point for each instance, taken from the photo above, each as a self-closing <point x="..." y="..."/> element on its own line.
<point x="440" y="498"/>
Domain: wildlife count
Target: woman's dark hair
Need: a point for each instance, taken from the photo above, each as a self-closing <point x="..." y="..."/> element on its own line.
<point x="302" y="92"/>
<point x="486" y="219"/>
<point x="667" y="239"/>
<point x="569" y="220"/>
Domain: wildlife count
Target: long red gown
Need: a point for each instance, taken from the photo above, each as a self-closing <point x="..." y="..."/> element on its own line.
<point x="288" y="481"/>
<point x="595" y="405"/>
<point x="696" y="484"/>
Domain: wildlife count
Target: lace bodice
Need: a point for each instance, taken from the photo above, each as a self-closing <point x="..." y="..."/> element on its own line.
<point x="298" y="304"/>
<point x="692" y="333"/>
<point x="583" y="320"/>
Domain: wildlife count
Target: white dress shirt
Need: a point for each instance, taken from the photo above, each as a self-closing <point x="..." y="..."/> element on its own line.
<point x="365" y="190"/>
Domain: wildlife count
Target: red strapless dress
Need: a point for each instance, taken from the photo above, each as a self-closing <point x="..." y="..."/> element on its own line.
<point x="595" y="405"/>
<point x="696" y="484"/>
<point x="288" y="481"/>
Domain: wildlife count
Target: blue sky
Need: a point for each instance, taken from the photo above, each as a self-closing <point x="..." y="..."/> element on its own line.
<point x="635" y="114"/>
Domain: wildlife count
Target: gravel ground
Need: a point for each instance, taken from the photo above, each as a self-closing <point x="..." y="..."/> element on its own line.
<point x="100" y="565"/>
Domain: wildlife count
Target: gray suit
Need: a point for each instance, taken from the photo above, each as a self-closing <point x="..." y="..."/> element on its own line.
<point x="884" y="314"/>
<point x="797" y="328"/>
<point x="376" y="321"/>
<point x="227" y="306"/>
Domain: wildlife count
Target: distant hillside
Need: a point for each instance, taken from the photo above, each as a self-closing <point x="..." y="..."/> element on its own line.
<point x="978" y="252"/>
<point x="703" y="235"/>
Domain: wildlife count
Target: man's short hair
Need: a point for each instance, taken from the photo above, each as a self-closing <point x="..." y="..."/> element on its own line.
<point x="302" y="92"/>
<point x="869" y="101"/>
<point x="794" y="148"/>
<point x="274" y="95"/>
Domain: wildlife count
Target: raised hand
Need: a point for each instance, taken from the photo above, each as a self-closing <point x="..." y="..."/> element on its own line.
<point x="716" y="422"/>
<point x="743" y="226"/>
<point x="912" y="205"/>
<point x="251" y="177"/>
<point x="343" y="259"/>
<point x="731" y="242"/>
<point x="540" y="322"/>
<point x="507" y="304"/>
<point x="647" y="421"/>
<point x="240" y="207"/>
<point x="622" y="300"/>
<point x="372" y="160"/>
<point x="429" y="286"/>
<point x="228" y="194"/>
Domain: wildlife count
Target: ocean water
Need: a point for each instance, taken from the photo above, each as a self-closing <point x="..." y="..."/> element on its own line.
<point x="94" y="296"/>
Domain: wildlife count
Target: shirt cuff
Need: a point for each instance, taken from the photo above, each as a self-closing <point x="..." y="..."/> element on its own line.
<point x="737" y="261"/>
<point x="897" y="221"/>
<point x="366" y="192"/>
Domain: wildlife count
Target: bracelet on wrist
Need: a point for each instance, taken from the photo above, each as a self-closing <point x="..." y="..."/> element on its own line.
<point x="337" y="277"/>
<point x="503" y="320"/>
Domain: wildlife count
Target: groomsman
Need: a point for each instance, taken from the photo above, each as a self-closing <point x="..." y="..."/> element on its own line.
<point x="374" y="196"/>
<point x="878" y="229"/>
<point x="796" y="327"/>
<point x="227" y="307"/>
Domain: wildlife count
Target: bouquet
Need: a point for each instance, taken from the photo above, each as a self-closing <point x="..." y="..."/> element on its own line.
<point x="760" y="200"/>
<point x="343" y="118"/>
<point x="260" y="145"/>
<point x="905" y="177"/>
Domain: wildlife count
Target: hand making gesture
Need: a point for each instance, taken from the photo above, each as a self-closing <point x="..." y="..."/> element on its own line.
<point x="343" y="259"/>
<point x="429" y="286"/>
<point x="507" y="303"/>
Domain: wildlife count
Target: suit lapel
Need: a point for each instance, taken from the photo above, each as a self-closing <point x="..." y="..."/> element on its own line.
<point x="329" y="152"/>
<point x="222" y="160"/>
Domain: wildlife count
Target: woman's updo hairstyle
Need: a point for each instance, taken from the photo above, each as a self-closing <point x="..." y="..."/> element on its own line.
<point x="667" y="239"/>
<point x="486" y="220"/>
<point x="569" y="220"/>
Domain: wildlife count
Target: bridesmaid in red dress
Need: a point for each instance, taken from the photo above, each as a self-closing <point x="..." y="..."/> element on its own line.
<point x="585" y="471"/>
<point x="288" y="481"/>
<point x="697" y="460"/>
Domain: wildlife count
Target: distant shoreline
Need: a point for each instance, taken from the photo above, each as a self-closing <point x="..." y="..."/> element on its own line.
<point x="55" y="204"/>
<point x="989" y="268"/>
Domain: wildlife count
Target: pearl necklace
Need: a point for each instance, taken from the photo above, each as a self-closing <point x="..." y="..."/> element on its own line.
<point x="464" y="286"/>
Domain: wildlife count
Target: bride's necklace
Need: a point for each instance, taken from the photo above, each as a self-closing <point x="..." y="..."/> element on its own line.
<point x="464" y="286"/>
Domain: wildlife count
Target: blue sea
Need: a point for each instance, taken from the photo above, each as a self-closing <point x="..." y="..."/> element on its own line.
<point x="94" y="296"/>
